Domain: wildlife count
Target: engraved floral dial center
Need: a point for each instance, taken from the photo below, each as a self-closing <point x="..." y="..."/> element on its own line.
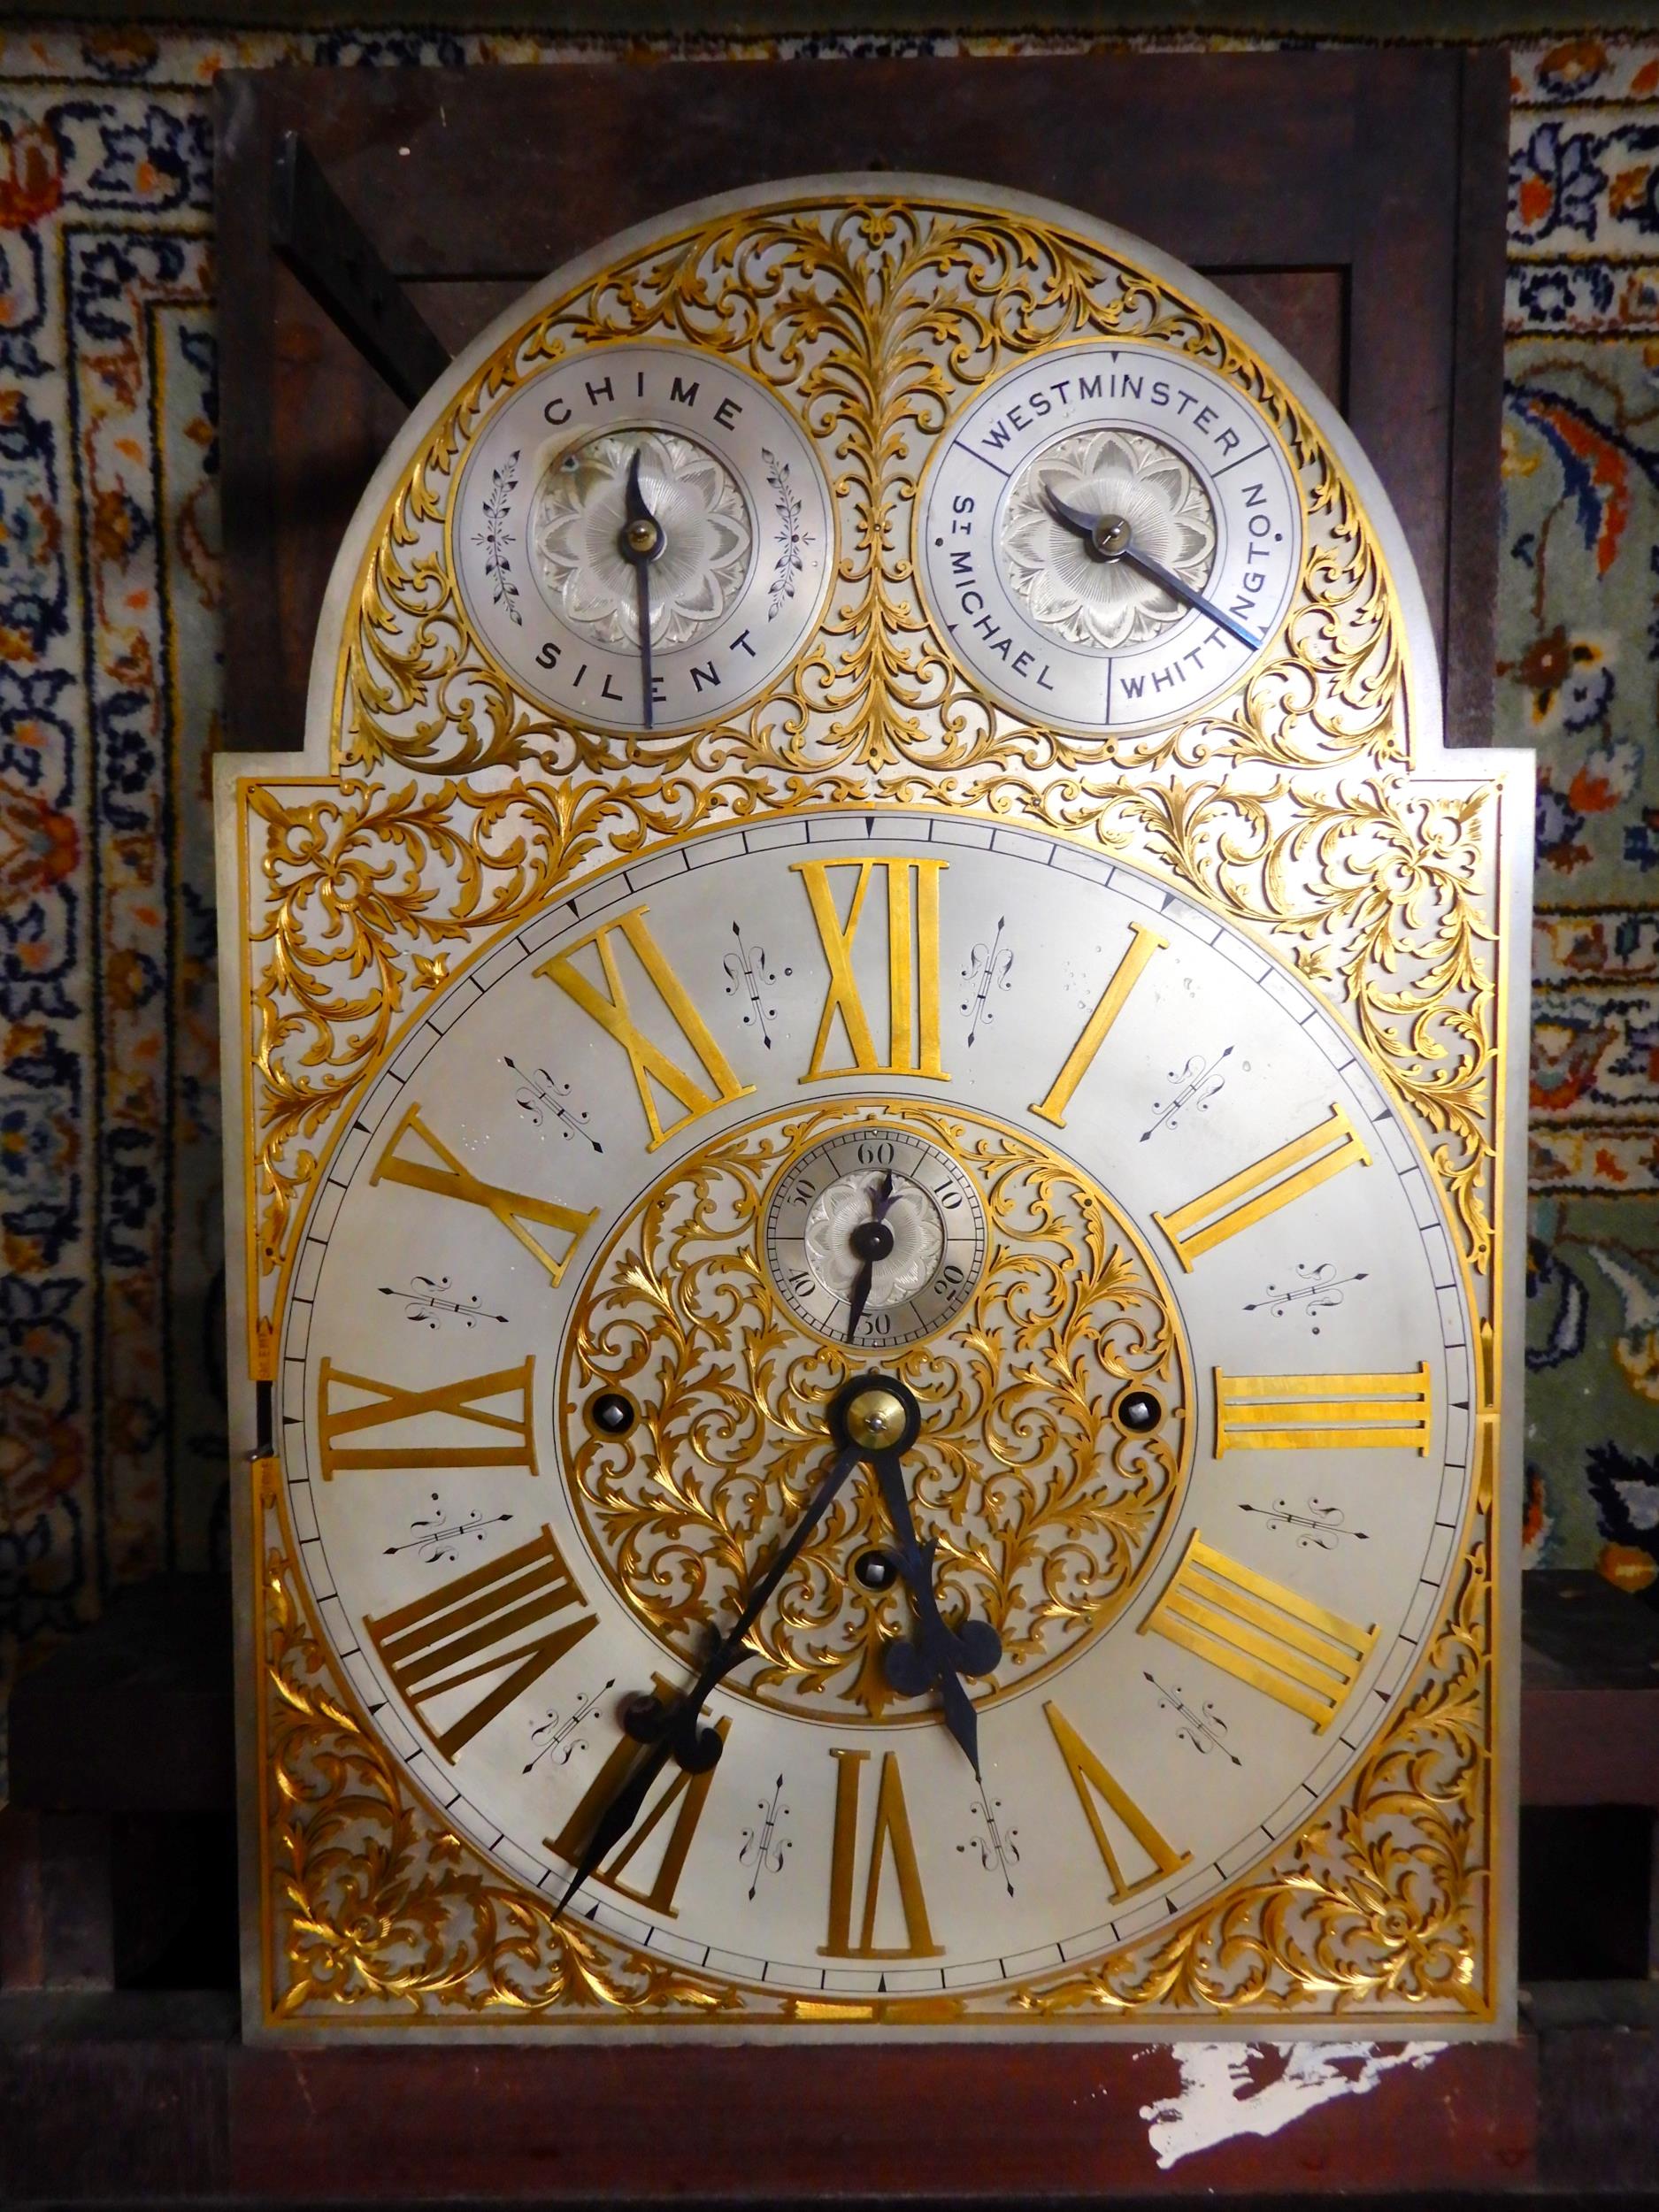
<point x="717" y="1306"/>
<point x="699" y="542"/>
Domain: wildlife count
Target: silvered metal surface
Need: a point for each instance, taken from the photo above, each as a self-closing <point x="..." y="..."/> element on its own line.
<point x="453" y="799"/>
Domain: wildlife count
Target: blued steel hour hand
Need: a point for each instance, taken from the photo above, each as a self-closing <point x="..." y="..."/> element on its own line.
<point x="1108" y="538"/>
<point x="939" y="1654"/>
<point x="641" y="540"/>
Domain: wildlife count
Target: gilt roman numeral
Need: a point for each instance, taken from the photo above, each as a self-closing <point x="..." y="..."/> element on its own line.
<point x="912" y="902"/>
<point x="1274" y="1638"/>
<point x="687" y="1792"/>
<point x="1261" y="1189"/>
<point x="1095" y="1785"/>
<point x="451" y="1178"/>
<point x="1284" y="1413"/>
<point x="890" y="1838"/>
<point x="715" y="1084"/>
<point x="473" y="1400"/>
<point x="520" y="1613"/>
<point x="1143" y="943"/>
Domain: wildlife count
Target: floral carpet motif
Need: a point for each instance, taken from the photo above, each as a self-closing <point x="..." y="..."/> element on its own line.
<point x="112" y="1429"/>
<point x="1579" y="678"/>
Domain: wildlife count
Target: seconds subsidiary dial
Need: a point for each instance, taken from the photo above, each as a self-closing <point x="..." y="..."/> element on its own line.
<point x="1109" y="537"/>
<point x="643" y="538"/>
<point x="875" y="1236"/>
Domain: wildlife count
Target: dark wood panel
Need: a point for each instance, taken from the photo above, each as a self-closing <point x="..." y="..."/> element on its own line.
<point x="1468" y="628"/>
<point x="925" y="2120"/>
<point x="114" y="2099"/>
<point x="1279" y="174"/>
<point x="1306" y="309"/>
<point x="1189" y="150"/>
<point x="134" y="1714"/>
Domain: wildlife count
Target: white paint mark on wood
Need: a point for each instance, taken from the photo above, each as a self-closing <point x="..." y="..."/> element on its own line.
<point x="1231" y="2089"/>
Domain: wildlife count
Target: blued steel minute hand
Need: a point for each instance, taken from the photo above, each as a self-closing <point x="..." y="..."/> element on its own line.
<point x="1108" y="538"/>
<point x="869" y="1415"/>
<point x="678" y="1734"/>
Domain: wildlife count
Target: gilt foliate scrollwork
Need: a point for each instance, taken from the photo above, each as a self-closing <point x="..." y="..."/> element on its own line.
<point x="876" y="321"/>
<point x="381" y="1911"/>
<point x="459" y="807"/>
<point x="1375" y="887"/>
<point x="1043" y="1512"/>
<point x="1381" y="1901"/>
<point x="377" y="1909"/>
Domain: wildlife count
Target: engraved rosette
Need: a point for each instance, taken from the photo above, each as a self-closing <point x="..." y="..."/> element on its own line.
<point x="918" y="1241"/>
<point x="1106" y="604"/>
<point x="576" y="526"/>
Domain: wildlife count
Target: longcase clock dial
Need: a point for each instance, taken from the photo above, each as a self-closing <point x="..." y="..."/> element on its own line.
<point x="872" y="1065"/>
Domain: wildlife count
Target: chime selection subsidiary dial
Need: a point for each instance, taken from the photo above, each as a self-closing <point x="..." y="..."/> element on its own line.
<point x="1110" y="536"/>
<point x="641" y="537"/>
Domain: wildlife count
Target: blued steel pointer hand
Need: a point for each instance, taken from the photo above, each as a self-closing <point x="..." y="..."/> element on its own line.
<point x="939" y="1654"/>
<point x="1108" y="538"/>
<point x="874" y="1419"/>
<point x="642" y="540"/>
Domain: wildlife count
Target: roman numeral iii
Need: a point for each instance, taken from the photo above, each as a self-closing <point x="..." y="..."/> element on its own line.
<point x="687" y="1792"/>
<point x="1261" y="1189"/>
<point x="890" y="1837"/>
<point x="1280" y="1642"/>
<point x="1282" y="1413"/>
<point x="520" y="1613"/>
<point x="474" y="1401"/>
<point x="912" y="904"/>
<point x="451" y="1178"/>
<point x="715" y="1085"/>
<point x="1144" y="941"/>
<point x="1096" y="1786"/>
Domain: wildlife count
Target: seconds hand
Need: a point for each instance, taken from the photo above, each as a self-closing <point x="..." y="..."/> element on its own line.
<point x="871" y="1241"/>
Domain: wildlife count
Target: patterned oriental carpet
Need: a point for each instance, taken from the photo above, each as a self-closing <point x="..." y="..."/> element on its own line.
<point x="112" y="1429"/>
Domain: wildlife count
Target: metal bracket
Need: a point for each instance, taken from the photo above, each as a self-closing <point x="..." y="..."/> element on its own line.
<point x="321" y="242"/>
